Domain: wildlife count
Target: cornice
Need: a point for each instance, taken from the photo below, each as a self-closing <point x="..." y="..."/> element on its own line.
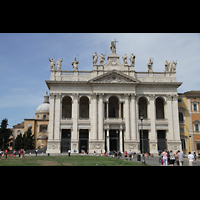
<point x="177" y="84"/>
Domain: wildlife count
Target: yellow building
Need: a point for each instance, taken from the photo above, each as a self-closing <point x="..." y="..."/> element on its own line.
<point x="189" y="120"/>
<point x="39" y="125"/>
<point x="184" y="123"/>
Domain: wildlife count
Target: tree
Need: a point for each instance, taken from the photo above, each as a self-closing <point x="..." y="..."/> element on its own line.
<point x="5" y="134"/>
<point x="18" y="142"/>
<point x="26" y="141"/>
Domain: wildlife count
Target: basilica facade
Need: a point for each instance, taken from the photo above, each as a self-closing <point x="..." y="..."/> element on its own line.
<point x="100" y="110"/>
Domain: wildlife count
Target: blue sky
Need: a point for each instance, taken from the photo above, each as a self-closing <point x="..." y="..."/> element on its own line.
<point x="24" y="64"/>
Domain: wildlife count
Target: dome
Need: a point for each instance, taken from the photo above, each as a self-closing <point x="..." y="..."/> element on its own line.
<point x="43" y="108"/>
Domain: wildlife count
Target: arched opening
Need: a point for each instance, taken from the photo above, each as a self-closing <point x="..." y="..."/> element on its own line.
<point x="84" y="107"/>
<point x="67" y="107"/>
<point x="160" y="108"/>
<point x="113" y="107"/>
<point x="181" y="118"/>
<point x="142" y="106"/>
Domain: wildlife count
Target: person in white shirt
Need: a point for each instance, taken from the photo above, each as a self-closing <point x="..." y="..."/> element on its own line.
<point x="69" y="152"/>
<point x="190" y="159"/>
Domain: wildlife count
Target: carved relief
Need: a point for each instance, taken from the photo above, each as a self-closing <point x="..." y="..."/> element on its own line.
<point x="151" y="97"/>
<point x="53" y="146"/>
<point x="75" y="96"/>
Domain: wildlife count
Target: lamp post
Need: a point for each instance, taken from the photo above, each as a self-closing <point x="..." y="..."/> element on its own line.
<point x="143" y="158"/>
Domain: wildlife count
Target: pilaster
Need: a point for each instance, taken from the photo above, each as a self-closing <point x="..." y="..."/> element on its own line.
<point x="75" y="111"/>
<point x="127" y="117"/>
<point x="176" y="118"/>
<point x="153" y="136"/>
<point x="100" y="120"/>
<point x="57" y="117"/>
<point x="170" y="136"/>
<point x="133" y="118"/>
<point x="94" y="117"/>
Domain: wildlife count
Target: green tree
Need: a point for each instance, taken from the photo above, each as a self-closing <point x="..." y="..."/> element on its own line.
<point x="18" y="142"/>
<point x="26" y="141"/>
<point x="5" y="134"/>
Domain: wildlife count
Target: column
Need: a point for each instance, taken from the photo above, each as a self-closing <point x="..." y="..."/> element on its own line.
<point x="170" y="135"/>
<point x="152" y="114"/>
<point x="133" y="118"/>
<point x="120" y="104"/>
<point x="176" y="118"/>
<point x="127" y="119"/>
<point x="74" y="135"/>
<point x="107" y="109"/>
<point x="94" y="117"/>
<point x="120" y="140"/>
<point x="57" y="118"/>
<point x="101" y="111"/>
<point x="51" y="118"/>
<point x="107" y="141"/>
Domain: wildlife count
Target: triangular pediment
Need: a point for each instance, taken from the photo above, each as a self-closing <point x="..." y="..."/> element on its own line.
<point x="114" y="77"/>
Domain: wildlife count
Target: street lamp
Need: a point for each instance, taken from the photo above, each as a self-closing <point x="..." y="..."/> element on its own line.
<point x="143" y="158"/>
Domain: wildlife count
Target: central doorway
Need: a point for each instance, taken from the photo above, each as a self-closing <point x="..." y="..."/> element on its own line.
<point x="65" y="140"/>
<point x="83" y="140"/>
<point x="114" y="140"/>
<point x="162" y="141"/>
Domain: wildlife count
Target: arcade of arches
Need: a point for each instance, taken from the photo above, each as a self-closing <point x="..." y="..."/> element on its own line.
<point x="113" y="108"/>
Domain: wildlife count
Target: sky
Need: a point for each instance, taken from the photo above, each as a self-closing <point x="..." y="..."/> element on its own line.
<point x="24" y="62"/>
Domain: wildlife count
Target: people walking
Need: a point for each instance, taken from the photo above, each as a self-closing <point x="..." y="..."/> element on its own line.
<point x="130" y="154"/>
<point x="180" y="158"/>
<point x="69" y="152"/>
<point x="15" y="152"/>
<point x="36" y="152"/>
<point x="21" y="153"/>
<point x="6" y="152"/>
<point x="190" y="159"/>
<point x="164" y="154"/>
<point x="194" y="154"/>
<point x="171" y="158"/>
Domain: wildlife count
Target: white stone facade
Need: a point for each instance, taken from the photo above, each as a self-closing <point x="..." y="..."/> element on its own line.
<point x="99" y="110"/>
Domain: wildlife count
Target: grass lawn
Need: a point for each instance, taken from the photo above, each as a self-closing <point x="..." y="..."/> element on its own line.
<point x="73" y="160"/>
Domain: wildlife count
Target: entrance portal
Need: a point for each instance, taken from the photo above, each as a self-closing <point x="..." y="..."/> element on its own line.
<point x="83" y="140"/>
<point x="162" y="142"/>
<point x="65" y="140"/>
<point x="114" y="140"/>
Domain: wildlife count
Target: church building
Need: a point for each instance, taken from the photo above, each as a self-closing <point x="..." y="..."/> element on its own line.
<point x="112" y="106"/>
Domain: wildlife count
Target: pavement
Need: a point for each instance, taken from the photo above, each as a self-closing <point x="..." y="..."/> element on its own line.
<point x="154" y="161"/>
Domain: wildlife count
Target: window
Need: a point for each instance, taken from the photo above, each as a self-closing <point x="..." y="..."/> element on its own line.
<point x="18" y="131"/>
<point x="44" y="116"/>
<point x="182" y="129"/>
<point x="195" y="107"/>
<point x="198" y="146"/>
<point x="179" y="100"/>
<point x="196" y="127"/>
<point x="183" y="143"/>
<point x="181" y="117"/>
<point x="43" y="128"/>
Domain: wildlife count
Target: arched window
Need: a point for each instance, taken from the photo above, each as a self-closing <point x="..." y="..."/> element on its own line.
<point x="181" y="119"/>
<point x="142" y="106"/>
<point x="113" y="107"/>
<point x="84" y="107"/>
<point x="67" y="107"/>
<point x="160" y="108"/>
